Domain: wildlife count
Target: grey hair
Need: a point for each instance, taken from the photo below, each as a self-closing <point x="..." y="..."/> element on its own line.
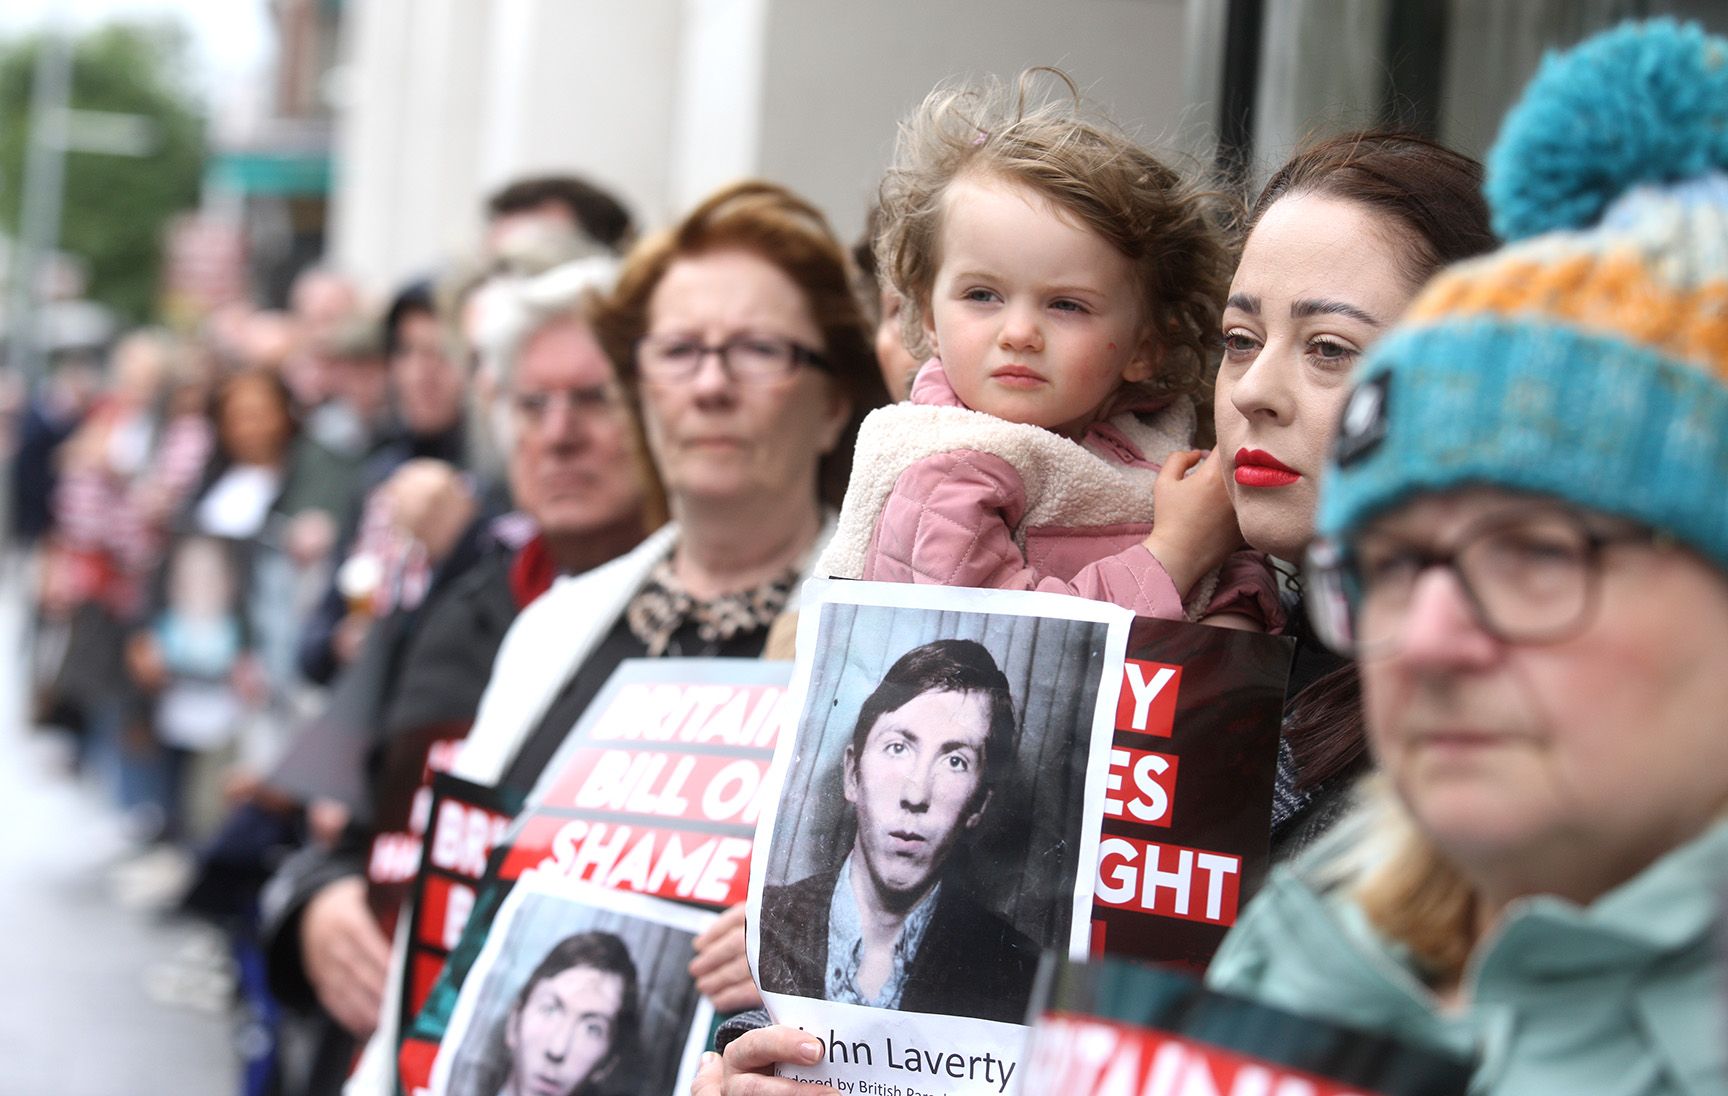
<point x="519" y="307"/>
<point x="513" y="308"/>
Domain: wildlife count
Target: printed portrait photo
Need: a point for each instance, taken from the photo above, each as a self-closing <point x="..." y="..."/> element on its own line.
<point x="926" y="848"/>
<point x="579" y="991"/>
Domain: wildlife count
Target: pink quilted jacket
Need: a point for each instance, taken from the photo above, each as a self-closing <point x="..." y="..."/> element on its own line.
<point x="958" y="518"/>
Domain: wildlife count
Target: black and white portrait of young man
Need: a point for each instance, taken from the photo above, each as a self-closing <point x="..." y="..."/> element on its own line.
<point x="926" y="847"/>
<point x="577" y="991"/>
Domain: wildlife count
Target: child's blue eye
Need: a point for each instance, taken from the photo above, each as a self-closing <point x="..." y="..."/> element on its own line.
<point x="1068" y="306"/>
<point x="978" y="295"/>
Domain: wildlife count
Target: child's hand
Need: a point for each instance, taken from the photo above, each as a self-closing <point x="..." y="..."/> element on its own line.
<point x="1193" y="524"/>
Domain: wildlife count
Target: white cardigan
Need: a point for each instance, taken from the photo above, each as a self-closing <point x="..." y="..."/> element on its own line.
<point x="548" y="641"/>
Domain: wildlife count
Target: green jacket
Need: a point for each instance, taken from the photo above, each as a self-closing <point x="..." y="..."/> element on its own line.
<point x="1624" y="997"/>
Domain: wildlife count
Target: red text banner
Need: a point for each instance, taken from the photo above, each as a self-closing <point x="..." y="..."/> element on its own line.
<point x="1112" y="1027"/>
<point x="661" y="783"/>
<point x="658" y="787"/>
<point x="404" y="810"/>
<point x="1140" y="787"/>
<point x="1188" y="797"/>
<point x="707" y="868"/>
<point x="655" y="790"/>
<point x="1168" y="880"/>
<point x="1083" y="1056"/>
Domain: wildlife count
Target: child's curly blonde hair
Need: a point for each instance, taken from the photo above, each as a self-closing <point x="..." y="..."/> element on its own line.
<point x="1168" y="228"/>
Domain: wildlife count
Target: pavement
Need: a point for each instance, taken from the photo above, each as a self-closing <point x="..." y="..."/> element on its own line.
<point x="98" y="997"/>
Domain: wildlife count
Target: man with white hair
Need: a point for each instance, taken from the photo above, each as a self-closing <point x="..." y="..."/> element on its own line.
<point x="575" y="476"/>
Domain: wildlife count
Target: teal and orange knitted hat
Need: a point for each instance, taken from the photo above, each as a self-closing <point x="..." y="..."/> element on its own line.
<point x="1588" y="358"/>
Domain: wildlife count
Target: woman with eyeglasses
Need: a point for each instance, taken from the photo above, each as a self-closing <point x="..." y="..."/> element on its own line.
<point x="1338" y="243"/>
<point x="1525" y="545"/>
<point x="737" y="335"/>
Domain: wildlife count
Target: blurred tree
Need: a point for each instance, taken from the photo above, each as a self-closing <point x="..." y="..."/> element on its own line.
<point x="115" y="207"/>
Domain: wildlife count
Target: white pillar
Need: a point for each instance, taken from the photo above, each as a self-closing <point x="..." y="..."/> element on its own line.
<point x="585" y="86"/>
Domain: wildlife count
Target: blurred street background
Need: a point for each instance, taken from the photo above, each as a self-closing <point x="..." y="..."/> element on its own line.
<point x="99" y="994"/>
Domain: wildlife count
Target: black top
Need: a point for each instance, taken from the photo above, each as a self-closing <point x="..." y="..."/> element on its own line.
<point x="972" y="962"/>
<point x="1302" y="813"/>
<point x="1313" y="659"/>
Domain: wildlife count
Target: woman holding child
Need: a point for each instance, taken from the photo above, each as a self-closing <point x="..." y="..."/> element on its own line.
<point x="1065" y="287"/>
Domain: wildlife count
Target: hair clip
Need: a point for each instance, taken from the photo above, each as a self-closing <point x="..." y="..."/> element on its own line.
<point x="983" y="135"/>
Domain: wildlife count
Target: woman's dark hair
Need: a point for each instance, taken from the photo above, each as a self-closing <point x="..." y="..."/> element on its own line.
<point x="1323" y="724"/>
<point x="770" y="221"/>
<point x="268" y="379"/>
<point x="946" y="666"/>
<point x="1431" y="193"/>
<point x="1432" y="196"/>
<point x="601" y="951"/>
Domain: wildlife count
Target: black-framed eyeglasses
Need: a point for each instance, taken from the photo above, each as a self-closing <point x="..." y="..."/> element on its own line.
<point x="1529" y="576"/>
<point x="749" y="358"/>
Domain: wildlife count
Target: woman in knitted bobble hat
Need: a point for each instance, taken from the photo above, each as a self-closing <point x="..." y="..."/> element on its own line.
<point x="1525" y="544"/>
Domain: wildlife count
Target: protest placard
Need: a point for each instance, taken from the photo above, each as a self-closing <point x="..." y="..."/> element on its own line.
<point x="578" y="989"/>
<point x="658" y="787"/>
<point x="656" y="791"/>
<point x="1115" y="1027"/>
<point x="464" y="821"/>
<point x="1188" y="803"/>
<point x="930" y="837"/>
<point x="403" y="812"/>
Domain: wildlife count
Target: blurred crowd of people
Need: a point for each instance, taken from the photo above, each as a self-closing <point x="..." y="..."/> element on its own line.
<point x="227" y="530"/>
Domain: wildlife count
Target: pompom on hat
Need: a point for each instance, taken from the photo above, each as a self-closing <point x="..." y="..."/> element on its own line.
<point x="1588" y="358"/>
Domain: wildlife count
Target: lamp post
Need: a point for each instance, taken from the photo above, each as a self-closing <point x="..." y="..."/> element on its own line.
<point x="39" y="212"/>
<point x="55" y="130"/>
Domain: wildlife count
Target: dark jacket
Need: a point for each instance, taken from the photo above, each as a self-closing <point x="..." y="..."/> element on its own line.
<point x="435" y="684"/>
<point x="1303" y="811"/>
<point x="316" y="654"/>
<point x="972" y="961"/>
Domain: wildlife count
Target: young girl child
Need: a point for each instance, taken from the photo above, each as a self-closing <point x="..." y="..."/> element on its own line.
<point x="1066" y="289"/>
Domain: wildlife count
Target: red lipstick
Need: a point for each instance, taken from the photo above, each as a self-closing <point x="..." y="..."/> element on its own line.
<point x="1258" y="468"/>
